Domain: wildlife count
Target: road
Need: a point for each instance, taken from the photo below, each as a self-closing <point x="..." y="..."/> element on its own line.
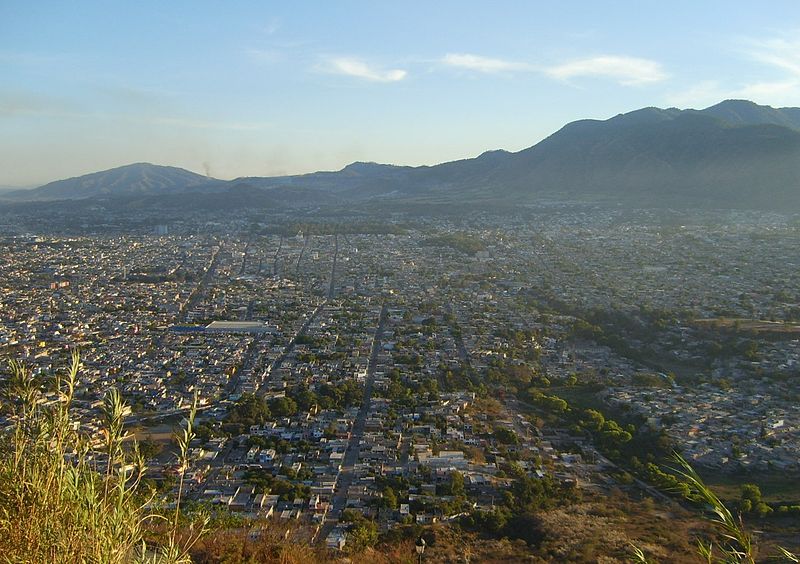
<point x="136" y="419"/>
<point x="462" y="349"/>
<point x="243" y="269"/>
<point x="216" y="467"/>
<point x="199" y="289"/>
<point x="290" y="347"/>
<point x="346" y="474"/>
<point x="277" y="256"/>
<point x="332" y="289"/>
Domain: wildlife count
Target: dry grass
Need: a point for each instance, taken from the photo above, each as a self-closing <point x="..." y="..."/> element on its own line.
<point x="53" y="509"/>
<point x="56" y="503"/>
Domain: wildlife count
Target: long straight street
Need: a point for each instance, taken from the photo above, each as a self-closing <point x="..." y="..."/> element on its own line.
<point x="346" y="473"/>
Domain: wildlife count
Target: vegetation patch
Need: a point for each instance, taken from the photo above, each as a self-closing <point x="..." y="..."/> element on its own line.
<point x="461" y="242"/>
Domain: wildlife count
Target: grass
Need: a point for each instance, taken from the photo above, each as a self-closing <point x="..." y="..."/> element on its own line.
<point x="66" y="497"/>
<point x="57" y="506"/>
<point x="776" y="487"/>
<point x="733" y="542"/>
<point x="583" y="396"/>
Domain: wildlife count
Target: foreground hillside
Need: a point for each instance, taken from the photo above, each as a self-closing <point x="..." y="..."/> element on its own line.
<point x="65" y="500"/>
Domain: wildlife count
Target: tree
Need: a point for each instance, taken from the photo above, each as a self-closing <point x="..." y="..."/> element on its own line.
<point x="362" y="534"/>
<point x="506" y="436"/>
<point x="389" y="499"/>
<point x="283" y="407"/>
<point x="595" y="421"/>
<point x="248" y="410"/>
<point x="150" y="449"/>
<point x="750" y="500"/>
<point x="762" y="509"/>
<point x="457" y="484"/>
<point x="750" y="492"/>
<point x="305" y="398"/>
<point x="750" y="350"/>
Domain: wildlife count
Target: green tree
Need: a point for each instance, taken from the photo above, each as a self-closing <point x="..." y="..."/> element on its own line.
<point x="150" y="449"/>
<point x="750" y="492"/>
<point x="457" y="484"/>
<point x="389" y="499"/>
<point x="506" y="436"/>
<point x="362" y="534"/>
<point x="248" y="410"/>
<point x="283" y="407"/>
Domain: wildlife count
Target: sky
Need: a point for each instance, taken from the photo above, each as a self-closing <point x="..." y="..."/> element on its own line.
<point x="270" y="88"/>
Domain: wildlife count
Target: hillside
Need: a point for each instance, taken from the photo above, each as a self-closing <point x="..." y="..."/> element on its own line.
<point x="687" y="159"/>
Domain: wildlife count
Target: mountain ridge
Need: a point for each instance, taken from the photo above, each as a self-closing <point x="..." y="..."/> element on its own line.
<point x="734" y="152"/>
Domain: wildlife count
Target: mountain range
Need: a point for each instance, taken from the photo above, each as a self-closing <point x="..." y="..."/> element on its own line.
<point x="733" y="154"/>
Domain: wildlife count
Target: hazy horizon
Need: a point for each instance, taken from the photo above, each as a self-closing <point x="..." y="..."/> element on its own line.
<point x="255" y="90"/>
<point x="205" y="171"/>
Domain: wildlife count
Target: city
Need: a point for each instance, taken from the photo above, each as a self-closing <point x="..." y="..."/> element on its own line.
<point x="353" y="380"/>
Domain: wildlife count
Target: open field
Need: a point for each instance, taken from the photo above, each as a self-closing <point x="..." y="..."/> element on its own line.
<point x="776" y="487"/>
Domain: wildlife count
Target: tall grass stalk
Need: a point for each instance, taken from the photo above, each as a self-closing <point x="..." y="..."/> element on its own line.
<point x="56" y="505"/>
<point x="737" y="545"/>
<point x="174" y="551"/>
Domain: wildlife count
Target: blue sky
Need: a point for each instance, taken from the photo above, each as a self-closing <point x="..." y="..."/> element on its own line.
<point x="267" y="88"/>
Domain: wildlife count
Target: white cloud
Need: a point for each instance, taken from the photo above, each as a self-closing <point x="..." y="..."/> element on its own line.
<point x="271" y="26"/>
<point x="26" y="103"/>
<point x="628" y="71"/>
<point x="481" y="64"/>
<point x="198" y="124"/>
<point x="774" y="93"/>
<point x="778" y="52"/>
<point x="27" y="59"/>
<point x="707" y="93"/>
<point x="783" y="54"/>
<point x="360" y="69"/>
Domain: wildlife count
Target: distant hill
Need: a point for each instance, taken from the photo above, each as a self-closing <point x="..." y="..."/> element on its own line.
<point x="134" y="179"/>
<point x="733" y="154"/>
